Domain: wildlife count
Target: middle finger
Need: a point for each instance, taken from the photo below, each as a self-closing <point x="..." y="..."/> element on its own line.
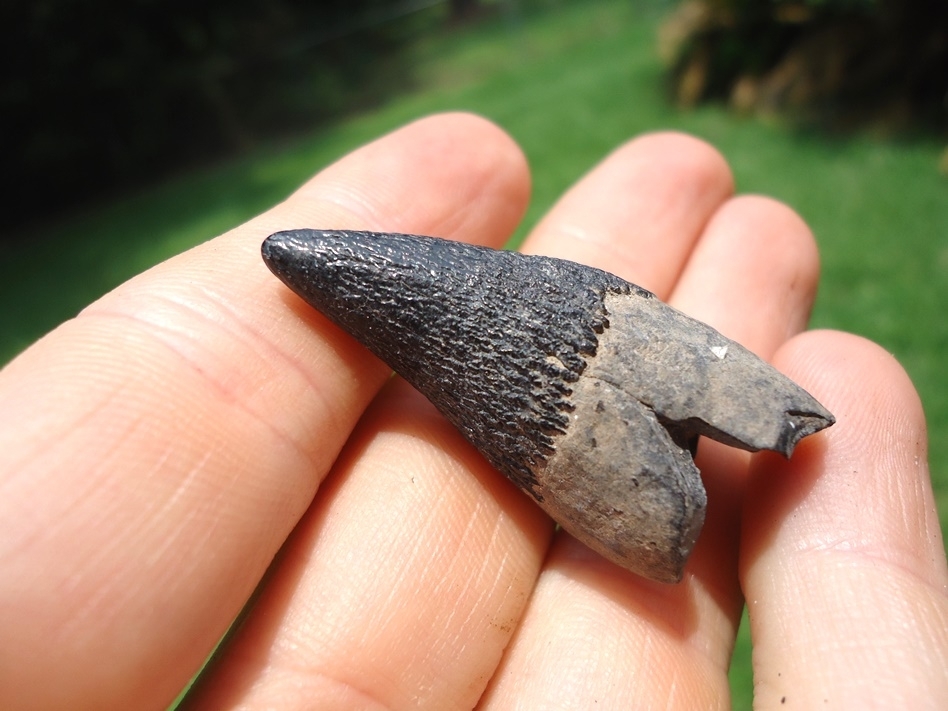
<point x="595" y="631"/>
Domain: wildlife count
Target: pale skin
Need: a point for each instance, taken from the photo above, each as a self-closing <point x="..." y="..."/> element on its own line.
<point x="161" y="449"/>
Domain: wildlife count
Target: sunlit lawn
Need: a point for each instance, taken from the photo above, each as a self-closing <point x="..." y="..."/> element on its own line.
<point x="569" y="85"/>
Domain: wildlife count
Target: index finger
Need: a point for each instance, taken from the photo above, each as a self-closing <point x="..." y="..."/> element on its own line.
<point x="159" y="448"/>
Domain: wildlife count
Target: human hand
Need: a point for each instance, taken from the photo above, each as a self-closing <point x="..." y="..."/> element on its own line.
<point x="200" y="422"/>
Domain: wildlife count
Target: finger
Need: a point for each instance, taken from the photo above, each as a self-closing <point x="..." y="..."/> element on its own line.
<point x="594" y="631"/>
<point x="421" y="620"/>
<point x="401" y="586"/>
<point x="640" y="211"/>
<point x="159" y="449"/>
<point x="843" y="561"/>
<point x="753" y="276"/>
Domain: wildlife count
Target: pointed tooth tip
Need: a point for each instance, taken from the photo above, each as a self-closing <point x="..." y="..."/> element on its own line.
<point x="279" y="245"/>
<point x="283" y="237"/>
<point x="283" y="251"/>
<point x="286" y="239"/>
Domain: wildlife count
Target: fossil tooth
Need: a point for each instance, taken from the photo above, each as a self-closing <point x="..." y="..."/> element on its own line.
<point x="587" y="391"/>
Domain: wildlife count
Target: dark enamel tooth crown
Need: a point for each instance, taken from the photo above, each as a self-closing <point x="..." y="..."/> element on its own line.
<point x="587" y="391"/>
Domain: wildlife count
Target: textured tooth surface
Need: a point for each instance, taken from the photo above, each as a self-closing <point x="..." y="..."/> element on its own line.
<point x="692" y="376"/>
<point x="626" y="489"/>
<point x="495" y="339"/>
<point x="584" y="389"/>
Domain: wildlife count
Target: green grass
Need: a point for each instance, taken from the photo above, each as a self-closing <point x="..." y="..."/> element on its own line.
<point x="569" y="84"/>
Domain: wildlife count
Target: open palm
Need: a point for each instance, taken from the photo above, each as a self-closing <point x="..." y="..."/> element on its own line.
<point x="201" y="427"/>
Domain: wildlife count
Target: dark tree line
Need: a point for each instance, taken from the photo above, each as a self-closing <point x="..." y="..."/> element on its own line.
<point x="98" y="96"/>
<point x="840" y="63"/>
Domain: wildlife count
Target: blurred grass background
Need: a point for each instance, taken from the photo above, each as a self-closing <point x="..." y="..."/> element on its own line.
<point x="570" y="83"/>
